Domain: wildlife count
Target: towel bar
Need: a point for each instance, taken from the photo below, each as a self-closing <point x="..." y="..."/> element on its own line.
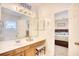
<point x="76" y="43"/>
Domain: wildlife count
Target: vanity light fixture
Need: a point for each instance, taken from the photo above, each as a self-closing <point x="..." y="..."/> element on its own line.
<point x="23" y="10"/>
<point x="20" y="10"/>
<point x="29" y="13"/>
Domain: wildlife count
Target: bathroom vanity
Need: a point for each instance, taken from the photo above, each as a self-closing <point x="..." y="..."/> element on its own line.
<point x="22" y="49"/>
<point x="16" y="19"/>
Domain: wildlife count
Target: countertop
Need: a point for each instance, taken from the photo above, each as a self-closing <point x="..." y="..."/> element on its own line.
<point x="6" y="46"/>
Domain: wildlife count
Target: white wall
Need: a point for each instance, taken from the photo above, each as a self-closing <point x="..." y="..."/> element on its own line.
<point x="48" y="33"/>
<point x="22" y="26"/>
<point x="46" y="12"/>
<point x="55" y="8"/>
<point x="0" y="11"/>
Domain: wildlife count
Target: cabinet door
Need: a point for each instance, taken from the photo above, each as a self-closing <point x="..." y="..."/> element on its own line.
<point x="20" y="54"/>
<point x="10" y="53"/>
<point x="30" y="52"/>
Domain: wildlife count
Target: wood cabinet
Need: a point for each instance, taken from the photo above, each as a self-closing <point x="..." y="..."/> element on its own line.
<point x="19" y="54"/>
<point x="29" y="50"/>
<point x="9" y="53"/>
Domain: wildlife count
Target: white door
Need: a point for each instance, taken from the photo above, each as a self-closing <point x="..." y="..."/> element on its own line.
<point x="74" y="30"/>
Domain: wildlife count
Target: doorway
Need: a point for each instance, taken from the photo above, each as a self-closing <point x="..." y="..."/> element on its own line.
<point x="61" y="33"/>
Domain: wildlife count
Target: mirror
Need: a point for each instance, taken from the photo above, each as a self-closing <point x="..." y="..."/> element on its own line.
<point x="16" y="25"/>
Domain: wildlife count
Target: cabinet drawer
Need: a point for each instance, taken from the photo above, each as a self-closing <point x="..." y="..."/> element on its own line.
<point x="38" y="43"/>
<point x="26" y="47"/>
<point x="18" y="50"/>
<point x="30" y="52"/>
<point x="10" y="53"/>
<point x="20" y="54"/>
